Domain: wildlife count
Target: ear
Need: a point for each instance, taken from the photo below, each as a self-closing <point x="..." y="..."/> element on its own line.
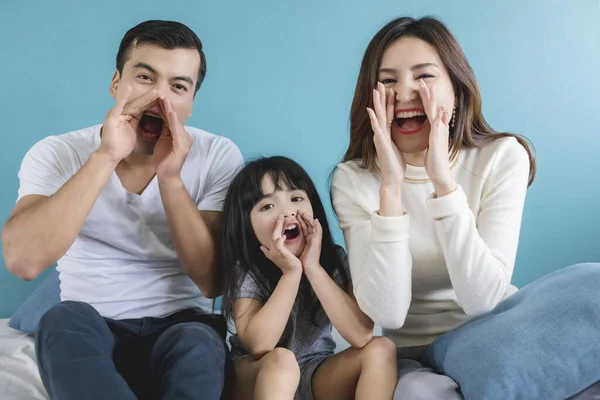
<point x="114" y="84"/>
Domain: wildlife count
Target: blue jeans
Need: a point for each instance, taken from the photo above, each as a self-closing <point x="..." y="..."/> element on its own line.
<point x="82" y="355"/>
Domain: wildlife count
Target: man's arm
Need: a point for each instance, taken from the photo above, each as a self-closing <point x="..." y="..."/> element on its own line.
<point x="196" y="236"/>
<point x="41" y="229"/>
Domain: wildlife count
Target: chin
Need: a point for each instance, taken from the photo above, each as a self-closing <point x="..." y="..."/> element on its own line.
<point x="412" y="145"/>
<point x="144" y="149"/>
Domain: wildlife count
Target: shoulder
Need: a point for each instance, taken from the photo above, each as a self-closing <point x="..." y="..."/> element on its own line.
<point x="501" y="156"/>
<point x="80" y="144"/>
<point x="210" y="144"/>
<point x="351" y="172"/>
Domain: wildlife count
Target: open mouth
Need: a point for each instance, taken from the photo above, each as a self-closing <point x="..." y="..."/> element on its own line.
<point x="291" y="232"/>
<point x="151" y="126"/>
<point x="409" y="122"/>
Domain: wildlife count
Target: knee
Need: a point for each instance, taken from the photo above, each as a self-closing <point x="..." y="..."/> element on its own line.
<point x="281" y="361"/>
<point x="64" y="314"/>
<point x="380" y="350"/>
<point x="191" y="339"/>
<point x="425" y="384"/>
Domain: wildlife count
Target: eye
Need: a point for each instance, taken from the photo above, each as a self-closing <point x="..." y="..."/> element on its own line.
<point x="266" y="207"/>
<point x="425" y="76"/>
<point x="180" y="87"/>
<point x="297" y="199"/>
<point x="144" y="77"/>
<point x="388" y="81"/>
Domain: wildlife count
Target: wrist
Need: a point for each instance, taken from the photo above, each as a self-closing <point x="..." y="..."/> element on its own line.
<point x="172" y="182"/>
<point x="311" y="268"/>
<point x="104" y="159"/>
<point x="444" y="188"/>
<point x="292" y="274"/>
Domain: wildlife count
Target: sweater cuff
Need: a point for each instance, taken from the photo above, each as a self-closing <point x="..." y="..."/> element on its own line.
<point x="450" y="204"/>
<point x="389" y="229"/>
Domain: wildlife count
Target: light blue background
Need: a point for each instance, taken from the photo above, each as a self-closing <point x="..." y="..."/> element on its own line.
<point x="281" y="76"/>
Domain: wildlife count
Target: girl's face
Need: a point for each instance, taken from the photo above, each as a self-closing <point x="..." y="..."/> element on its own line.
<point x="405" y="63"/>
<point x="274" y="203"/>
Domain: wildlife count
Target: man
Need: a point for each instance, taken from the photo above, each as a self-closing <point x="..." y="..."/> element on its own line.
<point x="130" y="211"/>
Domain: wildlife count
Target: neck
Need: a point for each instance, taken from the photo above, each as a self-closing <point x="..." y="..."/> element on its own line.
<point x="415" y="159"/>
<point x="137" y="160"/>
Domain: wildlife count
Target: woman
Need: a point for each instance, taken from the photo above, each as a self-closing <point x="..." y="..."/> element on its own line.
<point x="429" y="196"/>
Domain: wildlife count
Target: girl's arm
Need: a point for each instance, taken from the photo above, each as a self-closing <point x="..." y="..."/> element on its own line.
<point x="259" y="326"/>
<point x="341" y="307"/>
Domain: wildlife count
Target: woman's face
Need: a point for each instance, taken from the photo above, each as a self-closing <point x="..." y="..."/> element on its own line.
<point x="405" y="63"/>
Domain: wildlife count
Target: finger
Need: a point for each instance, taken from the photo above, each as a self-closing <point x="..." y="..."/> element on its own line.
<point x="391" y="102"/>
<point x="430" y="104"/>
<point x="303" y="225"/>
<point x="172" y="120"/>
<point x="377" y="106"/>
<point x="318" y="227"/>
<point x="439" y="113"/>
<point x="446" y="118"/>
<point x="374" y="122"/>
<point x="280" y="244"/>
<point x="310" y="224"/>
<point x="140" y="103"/>
<point x="122" y="98"/>
<point x="266" y="252"/>
<point x="278" y="228"/>
<point x="424" y="92"/>
<point x="166" y="131"/>
<point x="381" y="116"/>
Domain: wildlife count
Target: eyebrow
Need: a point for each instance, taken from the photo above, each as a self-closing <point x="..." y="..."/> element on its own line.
<point x="413" y="68"/>
<point x="177" y="78"/>
<point x="270" y="195"/>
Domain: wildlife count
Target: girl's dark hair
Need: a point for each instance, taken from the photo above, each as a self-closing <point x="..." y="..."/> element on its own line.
<point x="470" y="127"/>
<point x="169" y="35"/>
<point x="241" y="254"/>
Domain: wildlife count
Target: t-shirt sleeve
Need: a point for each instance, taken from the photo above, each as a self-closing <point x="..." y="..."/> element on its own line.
<point x="226" y="161"/>
<point x="250" y="289"/>
<point x="45" y="168"/>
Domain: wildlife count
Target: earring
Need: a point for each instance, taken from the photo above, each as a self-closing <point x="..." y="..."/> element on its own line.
<point x="453" y="116"/>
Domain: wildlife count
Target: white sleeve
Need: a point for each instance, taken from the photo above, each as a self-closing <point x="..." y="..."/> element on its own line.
<point x="226" y="162"/>
<point x="378" y="253"/>
<point x="45" y="168"/>
<point x="480" y="250"/>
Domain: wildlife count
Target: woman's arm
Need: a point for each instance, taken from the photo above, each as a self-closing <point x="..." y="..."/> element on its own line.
<point x="378" y="251"/>
<point x="480" y="250"/>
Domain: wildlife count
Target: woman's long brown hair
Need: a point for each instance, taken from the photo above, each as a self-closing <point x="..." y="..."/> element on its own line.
<point x="470" y="127"/>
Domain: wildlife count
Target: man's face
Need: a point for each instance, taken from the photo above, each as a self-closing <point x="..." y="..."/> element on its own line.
<point x="172" y="73"/>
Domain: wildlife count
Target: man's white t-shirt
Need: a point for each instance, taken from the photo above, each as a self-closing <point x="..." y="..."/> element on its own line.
<point x="123" y="262"/>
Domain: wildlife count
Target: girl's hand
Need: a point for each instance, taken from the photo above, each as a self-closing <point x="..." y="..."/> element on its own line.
<point x="279" y="254"/>
<point x="313" y="234"/>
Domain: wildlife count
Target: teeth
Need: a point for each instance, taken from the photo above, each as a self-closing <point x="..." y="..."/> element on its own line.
<point x="409" y="114"/>
<point x="289" y="228"/>
<point x="153" y="115"/>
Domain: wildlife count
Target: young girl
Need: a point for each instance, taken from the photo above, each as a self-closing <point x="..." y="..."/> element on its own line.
<point x="429" y="196"/>
<point x="286" y="282"/>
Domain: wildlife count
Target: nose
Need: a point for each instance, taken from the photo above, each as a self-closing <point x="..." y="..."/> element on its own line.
<point x="406" y="91"/>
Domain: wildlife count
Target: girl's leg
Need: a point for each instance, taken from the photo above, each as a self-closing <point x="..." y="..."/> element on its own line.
<point x="275" y="376"/>
<point x="367" y="373"/>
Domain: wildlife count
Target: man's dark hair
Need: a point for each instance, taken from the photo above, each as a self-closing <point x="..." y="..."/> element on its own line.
<point x="169" y="35"/>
